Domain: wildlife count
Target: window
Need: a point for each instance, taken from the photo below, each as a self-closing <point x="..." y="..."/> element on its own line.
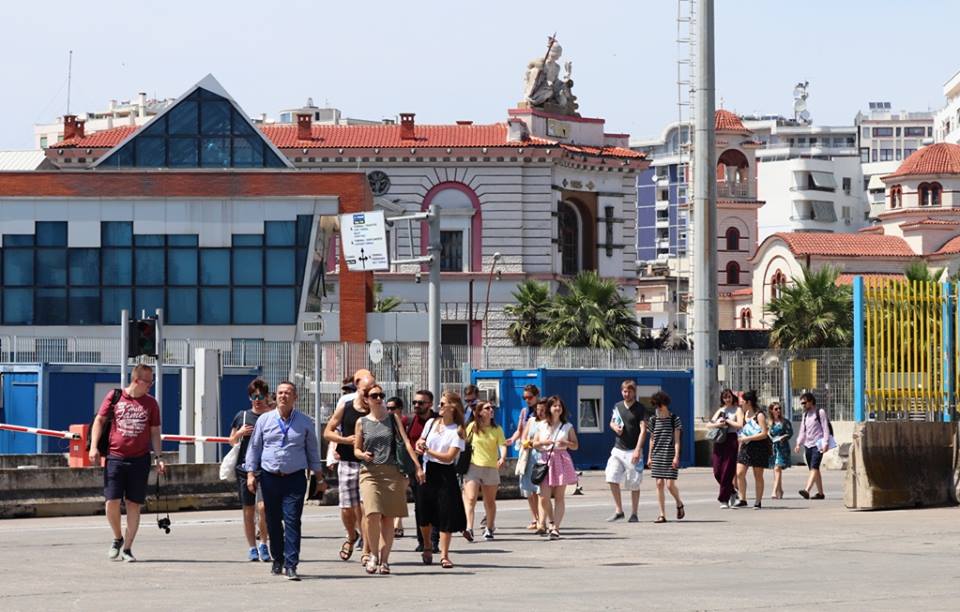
<point x="664" y="195"/>
<point x="733" y="239"/>
<point x="777" y="282"/>
<point x="569" y="237"/>
<point x="847" y="185"/>
<point x="898" y="131"/>
<point x="882" y="132"/>
<point x="864" y="155"/>
<point x="915" y="132"/>
<point x="646" y="323"/>
<point x="886" y="155"/>
<point x="43" y="142"/>
<point x="908" y="152"/>
<point x="845" y="213"/>
<point x="929" y="131"/>
<point x="929" y="194"/>
<point x="866" y="132"/>
<point x="746" y="319"/>
<point x="451" y="254"/>
<point x="589" y="408"/>
<point x="896" y="196"/>
<point x="733" y="273"/>
<point x="203" y="130"/>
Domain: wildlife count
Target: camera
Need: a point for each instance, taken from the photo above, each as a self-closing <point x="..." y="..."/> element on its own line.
<point x="164" y="523"/>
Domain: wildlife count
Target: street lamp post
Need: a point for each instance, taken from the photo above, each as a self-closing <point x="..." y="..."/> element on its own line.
<point x="486" y="311"/>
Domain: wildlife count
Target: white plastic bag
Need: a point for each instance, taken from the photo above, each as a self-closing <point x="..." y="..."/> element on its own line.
<point x="228" y="467"/>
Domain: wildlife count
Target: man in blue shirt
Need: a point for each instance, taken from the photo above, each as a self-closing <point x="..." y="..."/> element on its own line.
<point x="283" y="445"/>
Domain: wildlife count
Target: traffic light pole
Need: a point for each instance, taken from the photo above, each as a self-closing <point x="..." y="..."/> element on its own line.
<point x="124" y="345"/>
<point x="158" y="378"/>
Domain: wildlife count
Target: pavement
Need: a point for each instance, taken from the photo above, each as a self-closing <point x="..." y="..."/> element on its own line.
<point x="793" y="554"/>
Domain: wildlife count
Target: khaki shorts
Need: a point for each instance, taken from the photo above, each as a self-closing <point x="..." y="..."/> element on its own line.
<point x="486" y="476"/>
<point x="620" y="470"/>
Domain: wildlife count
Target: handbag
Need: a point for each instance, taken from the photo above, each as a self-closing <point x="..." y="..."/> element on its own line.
<point x="400" y="451"/>
<point x="466" y="455"/>
<point x="540" y="470"/>
<point x="228" y="465"/>
<point x="717" y="434"/>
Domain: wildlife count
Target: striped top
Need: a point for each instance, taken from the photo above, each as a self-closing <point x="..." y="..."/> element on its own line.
<point x="378" y="439"/>
<point x="662" y="433"/>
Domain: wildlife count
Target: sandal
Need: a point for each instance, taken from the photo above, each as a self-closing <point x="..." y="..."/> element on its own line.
<point x="468" y="535"/>
<point x="364" y="559"/>
<point x="661" y="519"/>
<point x="446" y="564"/>
<point x="371" y="565"/>
<point x="681" y="512"/>
<point x="346" y="551"/>
<point x="398" y="532"/>
<point x="427" y="557"/>
<point x="384" y="568"/>
<point x="532" y="526"/>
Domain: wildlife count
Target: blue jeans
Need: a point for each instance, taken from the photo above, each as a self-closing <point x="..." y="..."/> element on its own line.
<point x="283" y="502"/>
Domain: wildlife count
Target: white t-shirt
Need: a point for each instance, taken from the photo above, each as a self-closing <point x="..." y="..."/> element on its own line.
<point x="441" y="439"/>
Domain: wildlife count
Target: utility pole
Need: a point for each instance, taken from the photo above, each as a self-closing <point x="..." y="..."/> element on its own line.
<point x="433" y="300"/>
<point x="705" y="339"/>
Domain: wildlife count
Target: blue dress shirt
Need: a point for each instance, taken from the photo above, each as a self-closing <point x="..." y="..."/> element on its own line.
<point x="284" y="447"/>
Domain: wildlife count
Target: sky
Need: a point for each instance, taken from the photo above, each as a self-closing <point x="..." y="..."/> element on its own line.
<point x="448" y="61"/>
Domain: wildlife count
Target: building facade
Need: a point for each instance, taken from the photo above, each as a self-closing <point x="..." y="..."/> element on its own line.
<point x="128" y="113"/>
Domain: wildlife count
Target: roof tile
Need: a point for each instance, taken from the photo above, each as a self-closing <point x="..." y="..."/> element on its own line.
<point x="846" y="245"/>
<point x="725" y="121"/>
<point x="939" y="158"/>
<point x="98" y="140"/>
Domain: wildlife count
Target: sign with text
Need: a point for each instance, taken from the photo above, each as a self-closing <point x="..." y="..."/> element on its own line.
<point x="364" y="238"/>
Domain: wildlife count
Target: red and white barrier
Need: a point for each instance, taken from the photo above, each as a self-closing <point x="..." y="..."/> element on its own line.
<point x="65" y="435"/>
<point x="195" y="439"/>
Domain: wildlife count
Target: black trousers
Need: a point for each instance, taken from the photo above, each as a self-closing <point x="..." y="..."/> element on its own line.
<point x="435" y="534"/>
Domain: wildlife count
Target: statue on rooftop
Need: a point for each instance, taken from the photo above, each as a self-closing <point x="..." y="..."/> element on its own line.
<point x="543" y="86"/>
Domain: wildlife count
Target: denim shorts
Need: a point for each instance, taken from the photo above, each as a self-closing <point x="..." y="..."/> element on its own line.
<point x="813" y="456"/>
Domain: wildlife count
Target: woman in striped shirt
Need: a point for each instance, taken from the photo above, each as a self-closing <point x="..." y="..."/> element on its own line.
<point x="664" y="457"/>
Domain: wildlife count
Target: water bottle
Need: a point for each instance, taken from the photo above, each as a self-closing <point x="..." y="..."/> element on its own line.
<point x="616" y="417"/>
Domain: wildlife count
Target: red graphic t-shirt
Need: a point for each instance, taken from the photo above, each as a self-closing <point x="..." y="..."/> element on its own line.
<point x="132" y="420"/>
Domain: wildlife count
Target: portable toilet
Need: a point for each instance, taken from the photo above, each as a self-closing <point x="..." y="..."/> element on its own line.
<point x="590" y="396"/>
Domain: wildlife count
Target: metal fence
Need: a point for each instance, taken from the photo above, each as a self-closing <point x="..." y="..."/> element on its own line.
<point x="776" y="375"/>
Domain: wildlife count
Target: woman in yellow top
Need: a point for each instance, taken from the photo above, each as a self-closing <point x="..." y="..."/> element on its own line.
<point x="489" y="451"/>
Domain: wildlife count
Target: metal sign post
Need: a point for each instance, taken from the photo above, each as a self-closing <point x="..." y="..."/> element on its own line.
<point x="364" y="239"/>
<point x="124" y="345"/>
<point x="158" y="379"/>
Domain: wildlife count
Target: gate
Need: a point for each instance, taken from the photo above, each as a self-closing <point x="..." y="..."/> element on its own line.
<point x="904" y="350"/>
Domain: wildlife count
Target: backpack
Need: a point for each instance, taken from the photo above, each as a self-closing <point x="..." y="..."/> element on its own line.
<point x="829" y="423"/>
<point x="103" y="444"/>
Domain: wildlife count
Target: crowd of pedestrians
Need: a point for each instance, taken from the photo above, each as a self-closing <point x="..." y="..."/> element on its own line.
<point x="448" y="459"/>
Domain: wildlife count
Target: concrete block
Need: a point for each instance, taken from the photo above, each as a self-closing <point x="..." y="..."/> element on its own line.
<point x="901" y="465"/>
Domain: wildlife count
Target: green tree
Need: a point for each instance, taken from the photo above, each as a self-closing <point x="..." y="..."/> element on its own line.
<point x="384" y="304"/>
<point x="813" y="312"/>
<point x="917" y="271"/>
<point x="528" y="314"/>
<point x="590" y="312"/>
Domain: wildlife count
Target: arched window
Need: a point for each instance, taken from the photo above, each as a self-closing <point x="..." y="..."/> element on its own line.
<point x="733" y="239"/>
<point x="570" y="237"/>
<point x="733" y="273"/>
<point x="923" y="194"/>
<point x="777" y="281"/>
<point x="746" y="319"/>
<point x="935" y="190"/>
<point x="460" y="226"/>
<point x="896" y="196"/>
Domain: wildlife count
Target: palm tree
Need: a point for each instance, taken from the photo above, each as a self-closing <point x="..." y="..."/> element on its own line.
<point x="589" y="311"/>
<point x="528" y="313"/>
<point x="384" y="304"/>
<point x="813" y="312"/>
<point x="917" y="271"/>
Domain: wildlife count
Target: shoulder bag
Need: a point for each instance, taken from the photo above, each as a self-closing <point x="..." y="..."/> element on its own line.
<point x="466" y="455"/>
<point x="540" y="470"/>
<point x="228" y="465"/>
<point x="400" y="450"/>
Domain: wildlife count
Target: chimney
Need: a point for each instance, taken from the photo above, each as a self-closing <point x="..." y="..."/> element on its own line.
<point x="407" y="126"/>
<point x="142" y="104"/>
<point x="517" y="130"/>
<point x="304" y="126"/>
<point x="464" y="122"/>
<point x="72" y="127"/>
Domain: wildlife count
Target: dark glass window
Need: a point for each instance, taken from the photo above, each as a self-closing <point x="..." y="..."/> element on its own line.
<point x="84" y="306"/>
<point x="147" y="300"/>
<point x="248" y="306"/>
<point x="215" y="117"/>
<point x="18" y="267"/>
<point x="280" y="233"/>
<point x="84" y="267"/>
<point x="51" y="307"/>
<point x="18" y="240"/>
<point x="116" y="233"/>
<point x="149" y="267"/>
<point x="52" y="233"/>
<point x="183" y="240"/>
<point x="148" y="240"/>
<point x="51" y="267"/>
<point x="117" y="267"/>
<point x="182" y="266"/>
<point x="451" y="255"/>
<point x="280" y="268"/>
<point x="248" y="152"/>
<point x="183" y="153"/>
<point x="18" y="306"/>
<point x="112" y="302"/>
<point x="247" y="240"/>
<point x="214" y="267"/>
<point x="181" y="306"/>
<point x="304" y="227"/>
<point x="215" y="152"/>
<point x="281" y="307"/>
<point x="214" y="306"/>
<point x="248" y="267"/>
<point x="151" y="152"/>
<point x="182" y="119"/>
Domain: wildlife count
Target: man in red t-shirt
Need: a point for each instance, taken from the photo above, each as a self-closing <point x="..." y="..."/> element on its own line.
<point x="133" y="429"/>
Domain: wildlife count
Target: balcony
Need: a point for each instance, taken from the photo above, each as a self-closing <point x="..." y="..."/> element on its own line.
<point x="740" y="190"/>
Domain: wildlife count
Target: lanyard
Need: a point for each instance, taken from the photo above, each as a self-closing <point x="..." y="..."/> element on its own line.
<point x="284" y="428"/>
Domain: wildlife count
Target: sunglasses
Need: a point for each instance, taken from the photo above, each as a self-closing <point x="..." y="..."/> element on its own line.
<point x="376" y="396"/>
<point x="257" y="397"/>
<point x="393" y="407"/>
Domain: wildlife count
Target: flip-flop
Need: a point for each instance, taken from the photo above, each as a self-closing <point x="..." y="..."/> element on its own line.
<point x="661" y="519"/>
<point x="681" y="512"/>
<point x="446" y="564"/>
<point x="384" y="568"/>
<point x="398" y="532"/>
<point x="346" y="551"/>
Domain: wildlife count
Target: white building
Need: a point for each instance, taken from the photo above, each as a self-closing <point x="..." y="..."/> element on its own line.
<point x="808" y="176"/>
<point x="321" y="116"/>
<point x="946" y="123"/>
<point x="117" y="114"/>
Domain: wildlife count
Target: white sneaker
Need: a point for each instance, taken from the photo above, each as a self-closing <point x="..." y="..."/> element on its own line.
<point x="725" y="506"/>
<point x="127" y="555"/>
<point x="487" y="534"/>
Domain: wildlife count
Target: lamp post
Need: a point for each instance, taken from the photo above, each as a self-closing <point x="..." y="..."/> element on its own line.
<point x="486" y="310"/>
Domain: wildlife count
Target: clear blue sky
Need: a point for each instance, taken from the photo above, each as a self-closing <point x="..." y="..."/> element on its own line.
<point x="465" y="60"/>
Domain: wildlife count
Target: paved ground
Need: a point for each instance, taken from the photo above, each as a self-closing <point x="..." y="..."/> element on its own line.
<point x="794" y="554"/>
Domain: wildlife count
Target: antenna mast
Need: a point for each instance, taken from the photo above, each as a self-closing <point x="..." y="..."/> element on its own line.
<point x="69" y="77"/>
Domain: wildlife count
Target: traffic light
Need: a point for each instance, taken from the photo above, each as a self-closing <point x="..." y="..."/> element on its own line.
<point x="143" y="338"/>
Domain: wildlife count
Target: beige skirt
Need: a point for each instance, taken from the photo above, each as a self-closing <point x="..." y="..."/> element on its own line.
<point x="383" y="490"/>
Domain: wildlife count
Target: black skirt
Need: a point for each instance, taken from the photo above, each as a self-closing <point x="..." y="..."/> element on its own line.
<point x="756" y="453"/>
<point x="439" y="501"/>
